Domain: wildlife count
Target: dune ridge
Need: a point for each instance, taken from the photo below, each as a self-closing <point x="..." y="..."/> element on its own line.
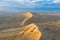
<point x="28" y="15"/>
<point x="28" y="32"/>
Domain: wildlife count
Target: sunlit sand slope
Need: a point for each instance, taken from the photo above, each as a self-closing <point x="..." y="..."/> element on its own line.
<point x="29" y="32"/>
<point x="28" y="15"/>
<point x="57" y="23"/>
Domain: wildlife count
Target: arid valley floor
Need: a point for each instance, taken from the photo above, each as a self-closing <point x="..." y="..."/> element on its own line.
<point x="49" y="25"/>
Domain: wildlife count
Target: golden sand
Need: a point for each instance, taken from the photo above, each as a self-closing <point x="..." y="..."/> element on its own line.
<point x="29" y="32"/>
<point x="57" y="23"/>
<point x="32" y="32"/>
<point x="28" y="15"/>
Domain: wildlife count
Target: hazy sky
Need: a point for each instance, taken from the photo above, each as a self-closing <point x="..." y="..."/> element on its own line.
<point x="18" y="5"/>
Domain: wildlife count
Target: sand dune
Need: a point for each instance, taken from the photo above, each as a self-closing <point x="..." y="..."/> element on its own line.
<point x="28" y="15"/>
<point x="57" y="23"/>
<point x="29" y="32"/>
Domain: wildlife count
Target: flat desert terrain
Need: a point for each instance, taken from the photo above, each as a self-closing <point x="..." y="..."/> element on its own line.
<point x="12" y="24"/>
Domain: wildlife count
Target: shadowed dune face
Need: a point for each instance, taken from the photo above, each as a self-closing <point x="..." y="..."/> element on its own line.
<point x="29" y="32"/>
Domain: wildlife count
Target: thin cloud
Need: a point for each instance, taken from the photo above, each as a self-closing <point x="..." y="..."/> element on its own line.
<point x="26" y="4"/>
<point x="56" y="1"/>
<point x="3" y="3"/>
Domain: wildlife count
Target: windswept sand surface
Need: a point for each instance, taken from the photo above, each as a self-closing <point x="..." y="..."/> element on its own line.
<point x="29" y="32"/>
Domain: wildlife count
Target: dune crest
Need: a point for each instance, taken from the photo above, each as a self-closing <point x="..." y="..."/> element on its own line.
<point x="28" y="15"/>
<point x="28" y="32"/>
<point x="31" y="32"/>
